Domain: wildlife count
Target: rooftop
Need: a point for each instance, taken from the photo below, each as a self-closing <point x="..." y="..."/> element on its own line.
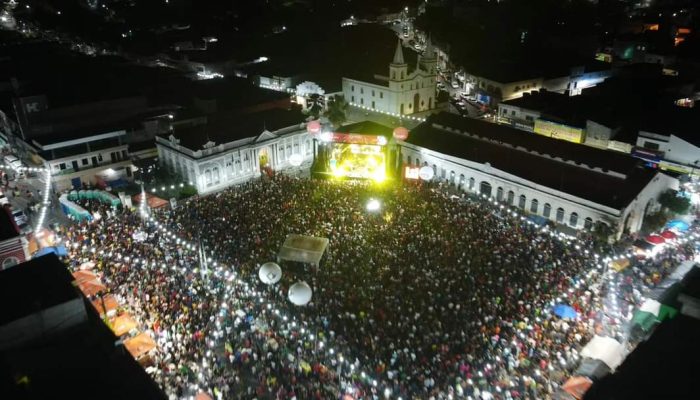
<point x="561" y="107"/>
<point x="367" y="128"/>
<point x="8" y="228"/>
<point x="524" y="155"/>
<point x="34" y="286"/>
<point x="82" y="362"/>
<point x="224" y="128"/>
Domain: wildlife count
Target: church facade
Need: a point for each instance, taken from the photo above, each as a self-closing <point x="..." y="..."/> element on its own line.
<point x="403" y="91"/>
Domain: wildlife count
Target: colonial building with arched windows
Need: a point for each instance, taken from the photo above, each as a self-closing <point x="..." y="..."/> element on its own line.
<point x="219" y="153"/>
<point x="545" y="178"/>
<point x="406" y="90"/>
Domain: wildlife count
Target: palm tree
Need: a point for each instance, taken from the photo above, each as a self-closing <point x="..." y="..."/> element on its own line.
<point x="335" y="112"/>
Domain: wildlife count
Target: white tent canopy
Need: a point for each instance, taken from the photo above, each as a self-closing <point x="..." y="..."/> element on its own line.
<point x="651" y="306"/>
<point x="305" y="249"/>
<point x="605" y="349"/>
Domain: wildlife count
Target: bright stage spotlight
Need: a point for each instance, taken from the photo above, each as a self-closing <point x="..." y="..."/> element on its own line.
<point x="373" y="205"/>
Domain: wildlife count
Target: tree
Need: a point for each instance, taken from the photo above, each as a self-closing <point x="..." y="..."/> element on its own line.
<point x="674" y="202"/>
<point x="601" y="233"/>
<point x="316" y="106"/>
<point x="654" y="222"/>
<point x="337" y="106"/>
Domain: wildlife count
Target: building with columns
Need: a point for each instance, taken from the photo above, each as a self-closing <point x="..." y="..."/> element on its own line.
<point x="233" y="149"/>
<point x="406" y="90"/>
<point x="572" y="185"/>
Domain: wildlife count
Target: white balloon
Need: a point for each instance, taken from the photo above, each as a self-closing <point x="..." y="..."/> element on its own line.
<point x="426" y="173"/>
<point x="296" y="159"/>
<point x="270" y="273"/>
<point x="300" y="293"/>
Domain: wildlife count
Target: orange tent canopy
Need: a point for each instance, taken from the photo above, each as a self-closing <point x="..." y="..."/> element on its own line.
<point x="203" y="396"/>
<point x="577" y="386"/>
<point x="91" y="288"/>
<point x="122" y="324"/>
<point x="110" y="304"/>
<point x="152" y="201"/>
<point x="139" y="345"/>
<point x="84" y="276"/>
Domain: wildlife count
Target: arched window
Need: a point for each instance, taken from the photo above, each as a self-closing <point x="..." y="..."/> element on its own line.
<point x="534" y="204"/>
<point x="452" y="177"/>
<point x="207" y="177"/>
<point x="461" y="181"/>
<point x="521" y="201"/>
<point x="471" y="183"/>
<point x="499" y="194"/>
<point x="588" y="223"/>
<point x="485" y="188"/>
<point x="560" y="215"/>
<point x="408" y="160"/>
<point x="216" y="178"/>
<point x="547" y="210"/>
<point x="511" y="197"/>
<point x="573" y="219"/>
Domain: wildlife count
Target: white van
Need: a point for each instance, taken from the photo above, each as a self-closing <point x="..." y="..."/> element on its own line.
<point x="12" y="161"/>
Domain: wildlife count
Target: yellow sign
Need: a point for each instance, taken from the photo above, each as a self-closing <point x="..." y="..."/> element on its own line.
<point x="559" y="131"/>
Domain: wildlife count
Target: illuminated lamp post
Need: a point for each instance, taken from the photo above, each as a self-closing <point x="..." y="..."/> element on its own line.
<point x="400" y="133"/>
<point x="314" y="129"/>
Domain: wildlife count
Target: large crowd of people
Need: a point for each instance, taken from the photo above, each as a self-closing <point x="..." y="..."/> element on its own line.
<point x="432" y="296"/>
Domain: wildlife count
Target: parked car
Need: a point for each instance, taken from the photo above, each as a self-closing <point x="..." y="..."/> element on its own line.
<point x="12" y="161"/>
<point x="20" y="217"/>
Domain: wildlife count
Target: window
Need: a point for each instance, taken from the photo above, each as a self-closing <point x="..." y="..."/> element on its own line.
<point x="62" y="166"/>
<point x="352" y="99"/>
<point x="511" y="197"/>
<point x="207" y="177"/>
<point x="372" y="104"/>
<point x="362" y="101"/>
<point x="216" y="175"/>
<point x="521" y="202"/>
<point x="381" y="95"/>
<point x="362" y="90"/>
<point x="408" y="160"/>
<point x="99" y="157"/>
<point x="588" y="223"/>
<point x="529" y="118"/>
<point x="84" y="161"/>
<point x="471" y="183"/>
<point x="499" y="194"/>
<point x="560" y="215"/>
<point x="517" y="88"/>
<point x="651" y="145"/>
<point x="485" y="188"/>
<point x="547" y="210"/>
<point x="352" y="88"/>
<point x="505" y="112"/>
<point x="512" y="113"/>
<point x="372" y="93"/>
<point x="534" y="205"/>
<point x="573" y="219"/>
<point x="401" y="110"/>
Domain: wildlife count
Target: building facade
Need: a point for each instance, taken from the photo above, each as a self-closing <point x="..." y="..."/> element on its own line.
<point x="217" y="166"/>
<point x="480" y="170"/>
<point x="669" y="152"/>
<point x="403" y="92"/>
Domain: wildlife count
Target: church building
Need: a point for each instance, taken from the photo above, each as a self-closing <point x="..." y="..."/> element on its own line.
<point x="406" y="90"/>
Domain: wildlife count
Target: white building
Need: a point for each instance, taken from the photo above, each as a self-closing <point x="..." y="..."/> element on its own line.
<point x="670" y="141"/>
<point x="86" y="159"/>
<point x="572" y="185"/>
<point x="403" y="91"/>
<point x="221" y="153"/>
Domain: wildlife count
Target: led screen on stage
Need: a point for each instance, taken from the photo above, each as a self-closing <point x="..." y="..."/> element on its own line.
<point x="358" y="161"/>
